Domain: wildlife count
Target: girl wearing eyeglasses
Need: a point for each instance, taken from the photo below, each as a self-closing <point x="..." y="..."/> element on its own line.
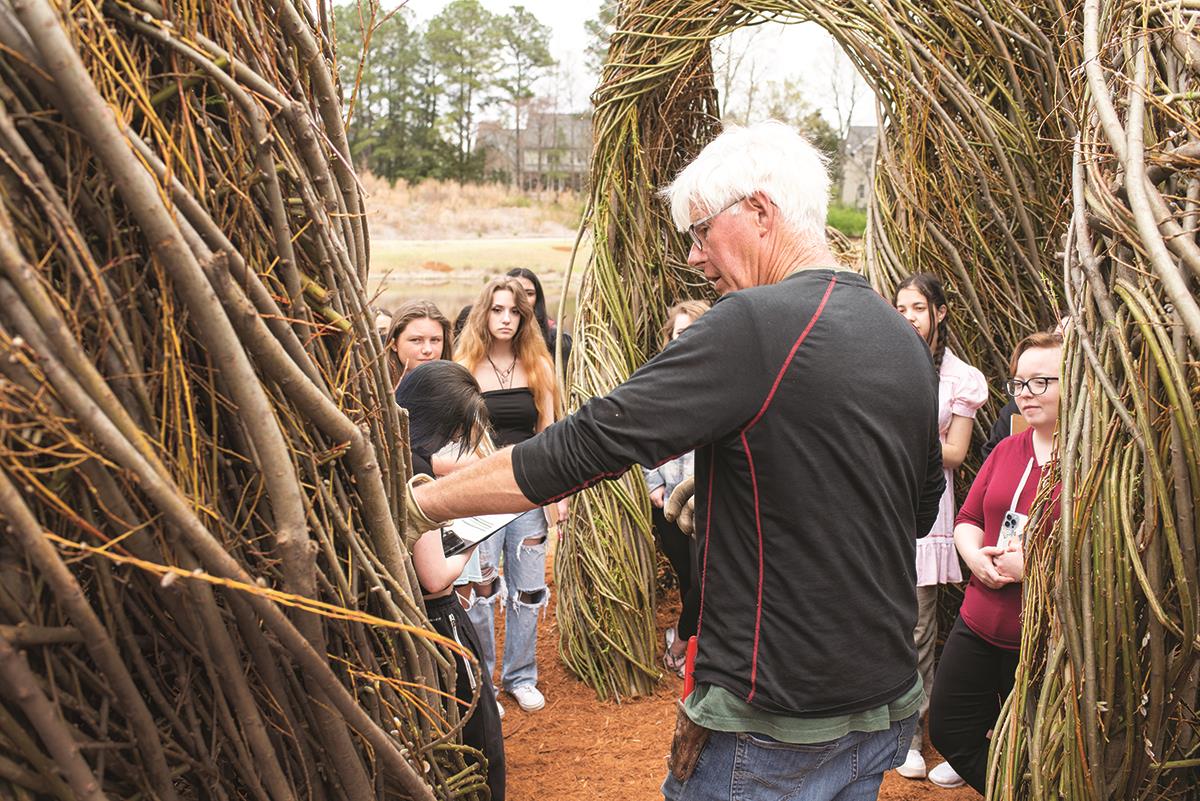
<point x="980" y="656"/>
<point x="962" y="389"/>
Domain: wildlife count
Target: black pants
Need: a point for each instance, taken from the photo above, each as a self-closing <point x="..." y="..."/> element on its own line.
<point x="482" y="729"/>
<point x="680" y="550"/>
<point x="973" y="679"/>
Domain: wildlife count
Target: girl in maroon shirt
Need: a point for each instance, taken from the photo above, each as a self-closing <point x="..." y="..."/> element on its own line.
<point x="979" y="660"/>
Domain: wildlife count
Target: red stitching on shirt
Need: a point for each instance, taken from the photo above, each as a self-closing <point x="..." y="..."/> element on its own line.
<point x="707" y="532"/>
<point x="754" y="478"/>
<point x="758" y="529"/>
<point x="587" y="483"/>
<point x="788" y="361"/>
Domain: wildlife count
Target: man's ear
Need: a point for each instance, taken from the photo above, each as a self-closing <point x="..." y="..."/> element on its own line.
<point x="766" y="213"/>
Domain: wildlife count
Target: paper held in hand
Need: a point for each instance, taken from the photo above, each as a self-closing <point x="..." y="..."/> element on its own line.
<point x="459" y="535"/>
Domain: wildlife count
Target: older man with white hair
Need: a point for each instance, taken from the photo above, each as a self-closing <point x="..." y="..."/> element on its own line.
<point x="811" y="406"/>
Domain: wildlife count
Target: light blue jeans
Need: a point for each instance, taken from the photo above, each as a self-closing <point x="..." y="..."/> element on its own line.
<point x="526" y="596"/>
<point x="754" y="767"/>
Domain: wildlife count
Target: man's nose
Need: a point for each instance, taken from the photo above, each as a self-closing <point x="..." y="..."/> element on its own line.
<point x="695" y="255"/>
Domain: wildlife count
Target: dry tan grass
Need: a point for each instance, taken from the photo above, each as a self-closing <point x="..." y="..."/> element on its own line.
<point x="446" y="210"/>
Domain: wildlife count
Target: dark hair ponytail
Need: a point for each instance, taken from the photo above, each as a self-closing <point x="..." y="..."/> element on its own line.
<point x="930" y="286"/>
<point x="444" y="405"/>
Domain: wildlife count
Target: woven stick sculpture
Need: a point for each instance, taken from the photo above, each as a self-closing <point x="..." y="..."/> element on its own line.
<point x="1041" y="158"/>
<point x="1107" y="703"/>
<point x="202" y="587"/>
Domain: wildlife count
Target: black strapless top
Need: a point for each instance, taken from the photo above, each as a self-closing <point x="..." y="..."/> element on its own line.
<point x="513" y="414"/>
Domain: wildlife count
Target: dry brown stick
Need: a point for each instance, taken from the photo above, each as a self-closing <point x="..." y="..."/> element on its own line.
<point x="276" y="689"/>
<point x="24" y="635"/>
<point x="322" y="413"/>
<point x="18" y="741"/>
<point x="233" y="680"/>
<point x="80" y="260"/>
<point x="43" y="785"/>
<point x="25" y="528"/>
<point x="21" y="686"/>
<point x="94" y="118"/>
<point x="216" y="241"/>
<point x="219" y="562"/>
<point x="264" y="158"/>
<point x="328" y="105"/>
<point x="1139" y="202"/>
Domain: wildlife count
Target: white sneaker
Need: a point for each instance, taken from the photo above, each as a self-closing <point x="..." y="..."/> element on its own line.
<point x="914" y="765"/>
<point x="528" y="697"/>
<point x="499" y="709"/>
<point x="945" y="776"/>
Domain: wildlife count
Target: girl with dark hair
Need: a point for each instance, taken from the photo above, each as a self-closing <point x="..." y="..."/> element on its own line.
<point x="679" y="548"/>
<point x="533" y="290"/>
<point x="446" y="408"/>
<point x="503" y="348"/>
<point x="419" y="333"/>
<point x="961" y="391"/>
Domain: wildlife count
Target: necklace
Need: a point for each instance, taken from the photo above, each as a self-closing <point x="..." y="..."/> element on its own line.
<point x="503" y="377"/>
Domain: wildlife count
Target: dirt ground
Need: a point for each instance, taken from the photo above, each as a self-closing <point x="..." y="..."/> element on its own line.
<point x="580" y="749"/>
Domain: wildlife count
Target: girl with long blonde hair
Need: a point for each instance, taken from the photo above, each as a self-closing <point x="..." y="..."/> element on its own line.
<point x="502" y="345"/>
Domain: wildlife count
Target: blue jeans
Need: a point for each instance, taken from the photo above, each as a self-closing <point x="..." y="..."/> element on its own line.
<point x="526" y="596"/>
<point x="754" y="767"/>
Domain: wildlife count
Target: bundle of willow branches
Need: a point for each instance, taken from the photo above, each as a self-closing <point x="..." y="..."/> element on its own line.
<point x="1042" y="158"/>
<point x="1107" y="702"/>
<point x="202" y="588"/>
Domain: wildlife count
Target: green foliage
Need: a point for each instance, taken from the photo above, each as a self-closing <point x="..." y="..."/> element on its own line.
<point x="600" y="30"/>
<point x="390" y="92"/>
<point x="463" y="40"/>
<point x="847" y="219"/>
<point x="786" y="103"/>
<point x="525" y="54"/>
<point x="413" y="93"/>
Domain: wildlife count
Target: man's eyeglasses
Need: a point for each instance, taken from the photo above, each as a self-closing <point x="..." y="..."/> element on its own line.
<point x="699" y="229"/>
<point x="1036" y="385"/>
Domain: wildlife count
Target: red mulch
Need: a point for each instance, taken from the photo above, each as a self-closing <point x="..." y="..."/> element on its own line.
<point x="580" y="749"/>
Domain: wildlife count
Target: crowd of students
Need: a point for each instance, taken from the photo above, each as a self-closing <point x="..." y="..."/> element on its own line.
<point x="485" y="382"/>
<point x="987" y="534"/>
<point x="488" y="381"/>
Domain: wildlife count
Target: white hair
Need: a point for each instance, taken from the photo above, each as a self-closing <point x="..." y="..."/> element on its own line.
<point x="768" y="157"/>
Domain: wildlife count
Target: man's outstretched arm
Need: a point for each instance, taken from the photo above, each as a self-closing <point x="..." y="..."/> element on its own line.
<point x="487" y="487"/>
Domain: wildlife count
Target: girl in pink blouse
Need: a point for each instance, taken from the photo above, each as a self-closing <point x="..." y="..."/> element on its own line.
<point x="961" y="391"/>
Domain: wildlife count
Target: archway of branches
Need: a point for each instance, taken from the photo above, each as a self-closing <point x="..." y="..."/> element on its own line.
<point x="1011" y="162"/>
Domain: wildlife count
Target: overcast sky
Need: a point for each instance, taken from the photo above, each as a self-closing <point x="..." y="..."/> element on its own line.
<point x="804" y="51"/>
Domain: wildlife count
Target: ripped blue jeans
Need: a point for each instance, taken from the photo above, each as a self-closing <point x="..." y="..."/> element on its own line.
<point x="525" y="595"/>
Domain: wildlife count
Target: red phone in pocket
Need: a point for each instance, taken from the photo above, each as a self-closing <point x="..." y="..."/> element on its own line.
<point x="689" y="664"/>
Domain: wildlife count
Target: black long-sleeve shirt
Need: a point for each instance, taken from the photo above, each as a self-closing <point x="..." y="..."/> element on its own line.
<point x="812" y="406"/>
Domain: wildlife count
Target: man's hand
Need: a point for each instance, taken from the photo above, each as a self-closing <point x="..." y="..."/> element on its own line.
<point x="658" y="496"/>
<point x="680" y="508"/>
<point x="983" y="565"/>
<point x="416" y="522"/>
